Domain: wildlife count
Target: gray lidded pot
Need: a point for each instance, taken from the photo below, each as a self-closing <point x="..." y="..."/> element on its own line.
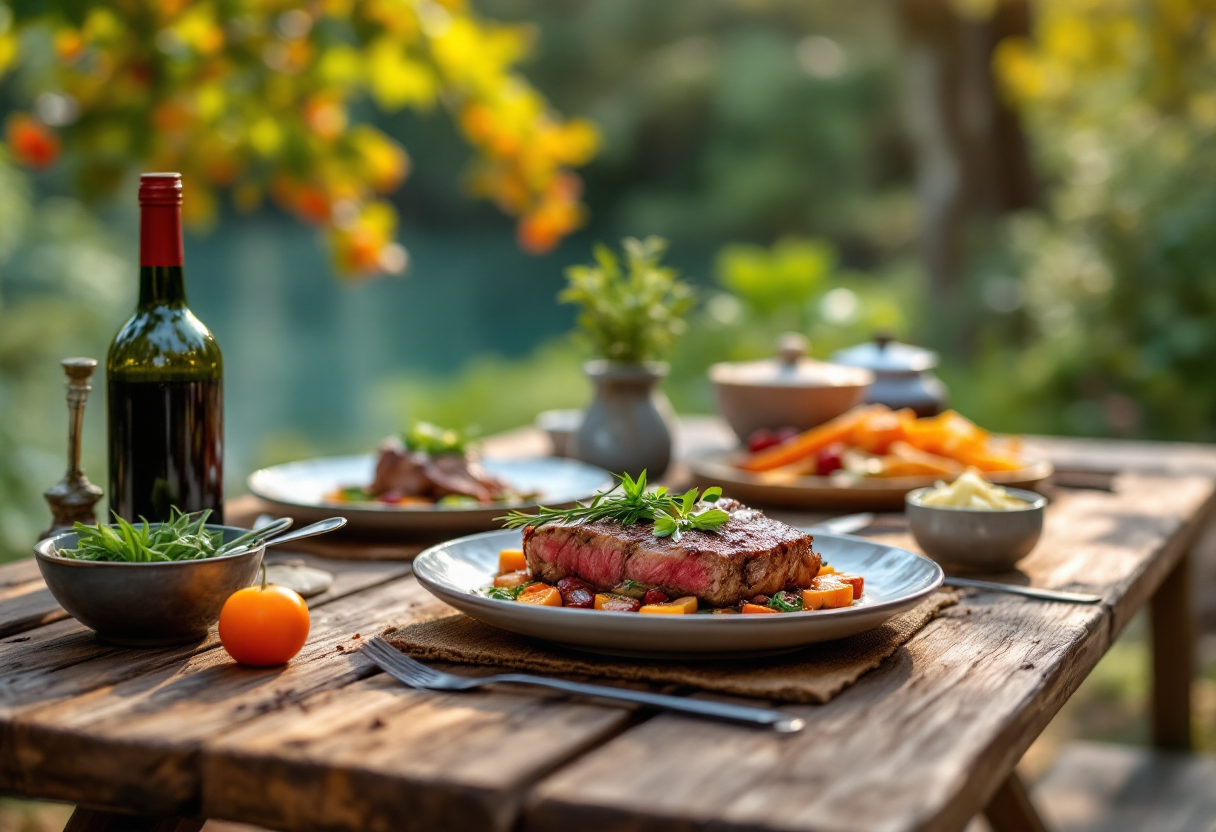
<point x="626" y="427"/>
<point x="146" y="604"/>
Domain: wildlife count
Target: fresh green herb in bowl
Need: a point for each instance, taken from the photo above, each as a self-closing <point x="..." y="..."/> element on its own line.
<point x="183" y="537"/>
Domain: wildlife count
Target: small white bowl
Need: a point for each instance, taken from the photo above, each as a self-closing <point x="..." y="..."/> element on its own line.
<point x="982" y="540"/>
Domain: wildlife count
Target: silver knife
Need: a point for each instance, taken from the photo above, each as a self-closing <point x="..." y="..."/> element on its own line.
<point x="1027" y="591"/>
<point x="843" y="525"/>
<point x="856" y="522"/>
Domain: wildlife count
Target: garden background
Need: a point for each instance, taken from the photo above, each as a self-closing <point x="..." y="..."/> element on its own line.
<point x="1027" y="187"/>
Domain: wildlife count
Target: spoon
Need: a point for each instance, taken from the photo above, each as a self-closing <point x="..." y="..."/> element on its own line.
<point x="320" y="527"/>
<point x="261" y="537"/>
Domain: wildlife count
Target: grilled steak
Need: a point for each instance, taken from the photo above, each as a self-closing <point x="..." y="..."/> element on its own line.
<point x="750" y="555"/>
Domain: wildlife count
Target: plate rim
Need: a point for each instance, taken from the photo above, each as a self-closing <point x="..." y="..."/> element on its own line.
<point x="251" y="482"/>
<point x="717" y="465"/>
<point x="686" y="621"/>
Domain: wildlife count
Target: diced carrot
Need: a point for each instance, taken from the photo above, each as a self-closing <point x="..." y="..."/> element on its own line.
<point x="616" y="603"/>
<point x="987" y="461"/>
<point x="826" y="569"/>
<point x="542" y="595"/>
<point x="511" y="560"/>
<point x="812" y="441"/>
<point x="827" y="593"/>
<point x="856" y="581"/>
<point x="511" y="579"/>
<point x="756" y="609"/>
<point x="680" y="606"/>
<point x="877" y="433"/>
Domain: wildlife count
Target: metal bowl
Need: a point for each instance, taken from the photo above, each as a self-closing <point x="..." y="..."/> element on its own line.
<point x="146" y="604"/>
<point x="981" y="540"/>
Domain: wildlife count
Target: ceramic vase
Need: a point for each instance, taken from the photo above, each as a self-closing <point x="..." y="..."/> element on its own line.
<point x="626" y="428"/>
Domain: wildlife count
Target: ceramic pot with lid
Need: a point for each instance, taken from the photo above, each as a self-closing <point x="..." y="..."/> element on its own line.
<point x="791" y="390"/>
<point x="903" y="374"/>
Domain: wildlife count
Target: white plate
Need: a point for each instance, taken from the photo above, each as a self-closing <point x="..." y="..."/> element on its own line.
<point x="771" y="488"/>
<point x="299" y="490"/>
<point x="896" y="581"/>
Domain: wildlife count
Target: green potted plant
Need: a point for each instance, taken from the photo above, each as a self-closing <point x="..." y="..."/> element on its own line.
<point x="632" y="312"/>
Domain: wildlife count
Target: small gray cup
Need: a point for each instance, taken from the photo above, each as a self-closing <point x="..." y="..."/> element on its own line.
<point x="981" y="540"/>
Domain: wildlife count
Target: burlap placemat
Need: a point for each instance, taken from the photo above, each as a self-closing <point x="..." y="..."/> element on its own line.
<point x="813" y="675"/>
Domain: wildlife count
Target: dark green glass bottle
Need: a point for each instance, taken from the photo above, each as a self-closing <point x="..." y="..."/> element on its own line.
<point x="164" y="380"/>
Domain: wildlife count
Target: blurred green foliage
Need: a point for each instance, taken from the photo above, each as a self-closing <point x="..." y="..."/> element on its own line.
<point x="61" y="285"/>
<point x="631" y="312"/>
<point x="1099" y="311"/>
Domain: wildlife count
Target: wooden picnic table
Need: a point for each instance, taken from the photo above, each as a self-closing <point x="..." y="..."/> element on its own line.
<point x="924" y="742"/>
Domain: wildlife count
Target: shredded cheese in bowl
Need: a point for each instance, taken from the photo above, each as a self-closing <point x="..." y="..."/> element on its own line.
<point x="971" y="490"/>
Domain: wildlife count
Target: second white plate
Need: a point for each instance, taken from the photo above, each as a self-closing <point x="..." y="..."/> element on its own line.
<point x="299" y="490"/>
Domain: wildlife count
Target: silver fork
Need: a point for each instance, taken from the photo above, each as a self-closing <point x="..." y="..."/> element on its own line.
<point x="417" y="675"/>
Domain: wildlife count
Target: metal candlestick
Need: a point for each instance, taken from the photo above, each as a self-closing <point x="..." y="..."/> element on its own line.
<point x="74" y="498"/>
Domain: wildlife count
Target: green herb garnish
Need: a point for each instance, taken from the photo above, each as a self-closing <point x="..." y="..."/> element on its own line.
<point x="671" y="514"/>
<point x="426" y="438"/>
<point x="183" y="537"/>
<point x="504" y="593"/>
<point x="786" y="601"/>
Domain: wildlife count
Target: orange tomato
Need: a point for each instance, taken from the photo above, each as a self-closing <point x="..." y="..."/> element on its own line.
<point x="264" y="625"/>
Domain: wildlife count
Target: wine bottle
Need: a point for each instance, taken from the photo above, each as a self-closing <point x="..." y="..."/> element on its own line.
<point x="164" y="380"/>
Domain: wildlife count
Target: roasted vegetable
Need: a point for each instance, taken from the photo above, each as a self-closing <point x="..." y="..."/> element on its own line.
<point x="756" y="609"/>
<point x="616" y="603"/>
<point x="827" y="593"/>
<point x="856" y="581"/>
<point x="513" y="579"/>
<point x="576" y="593"/>
<point x="542" y="595"/>
<point x="511" y="560"/>
<point x="680" y="606"/>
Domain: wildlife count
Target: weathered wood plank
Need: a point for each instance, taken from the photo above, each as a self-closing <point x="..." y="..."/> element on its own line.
<point x="26" y="606"/>
<point x="19" y="572"/>
<point x="378" y="756"/>
<point x="934" y="731"/>
<point x="920" y="743"/>
<point x="25" y="602"/>
<point x="62" y="660"/>
<point x="133" y="742"/>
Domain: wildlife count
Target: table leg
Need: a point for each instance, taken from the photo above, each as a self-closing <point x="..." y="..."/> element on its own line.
<point x="1173" y="634"/>
<point x="1010" y="809"/>
<point x="93" y="820"/>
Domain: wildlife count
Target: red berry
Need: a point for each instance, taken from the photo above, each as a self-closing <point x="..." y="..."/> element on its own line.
<point x="830" y="459"/>
<point x="655" y="596"/>
<point x="761" y="439"/>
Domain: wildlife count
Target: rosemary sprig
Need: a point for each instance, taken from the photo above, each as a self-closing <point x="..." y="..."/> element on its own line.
<point x="671" y="514"/>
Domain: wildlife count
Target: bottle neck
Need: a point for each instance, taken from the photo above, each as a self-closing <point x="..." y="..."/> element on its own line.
<point x="161" y="286"/>
<point x="160" y="253"/>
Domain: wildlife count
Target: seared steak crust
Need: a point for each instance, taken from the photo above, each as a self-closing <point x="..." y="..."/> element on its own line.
<point x="748" y="556"/>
